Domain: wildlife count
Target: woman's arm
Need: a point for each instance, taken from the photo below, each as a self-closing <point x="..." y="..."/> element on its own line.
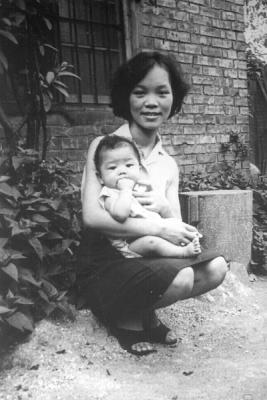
<point x="172" y="194"/>
<point x="95" y="217"/>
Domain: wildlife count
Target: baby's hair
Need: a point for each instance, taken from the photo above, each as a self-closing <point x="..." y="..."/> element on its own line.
<point x="111" y="142"/>
<point x="129" y="74"/>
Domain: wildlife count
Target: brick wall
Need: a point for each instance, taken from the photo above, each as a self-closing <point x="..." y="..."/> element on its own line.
<point x="206" y="37"/>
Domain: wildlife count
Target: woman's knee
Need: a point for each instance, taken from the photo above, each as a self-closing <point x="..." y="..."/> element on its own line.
<point x="216" y="270"/>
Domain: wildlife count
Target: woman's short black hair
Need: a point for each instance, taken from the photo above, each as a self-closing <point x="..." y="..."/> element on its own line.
<point x="111" y="142"/>
<point x="129" y="74"/>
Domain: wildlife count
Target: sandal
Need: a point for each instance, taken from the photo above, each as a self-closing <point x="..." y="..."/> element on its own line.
<point x="127" y="338"/>
<point x="157" y="334"/>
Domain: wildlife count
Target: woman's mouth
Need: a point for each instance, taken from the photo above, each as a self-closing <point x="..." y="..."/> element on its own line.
<point x="151" y="115"/>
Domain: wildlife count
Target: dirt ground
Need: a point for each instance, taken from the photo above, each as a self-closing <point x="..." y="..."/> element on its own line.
<point x="221" y="354"/>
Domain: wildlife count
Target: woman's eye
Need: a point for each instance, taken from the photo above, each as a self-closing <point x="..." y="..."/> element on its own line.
<point x="164" y="93"/>
<point x="129" y="165"/>
<point x="112" y="167"/>
<point x="138" y="93"/>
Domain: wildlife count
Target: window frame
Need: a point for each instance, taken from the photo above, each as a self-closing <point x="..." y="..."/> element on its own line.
<point x="129" y="45"/>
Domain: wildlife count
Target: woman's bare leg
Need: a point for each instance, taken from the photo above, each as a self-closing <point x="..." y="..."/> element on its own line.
<point x="189" y="282"/>
<point x="193" y="281"/>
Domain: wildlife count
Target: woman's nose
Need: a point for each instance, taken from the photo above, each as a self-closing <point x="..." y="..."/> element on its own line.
<point x="151" y="101"/>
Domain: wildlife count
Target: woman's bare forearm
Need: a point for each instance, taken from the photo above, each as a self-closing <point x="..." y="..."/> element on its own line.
<point x="100" y="220"/>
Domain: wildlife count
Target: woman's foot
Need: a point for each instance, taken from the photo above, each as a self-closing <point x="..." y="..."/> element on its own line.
<point x="157" y="331"/>
<point x="133" y="341"/>
<point x="192" y="249"/>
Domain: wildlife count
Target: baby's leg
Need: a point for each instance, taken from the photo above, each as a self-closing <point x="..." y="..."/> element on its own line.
<point x="156" y="246"/>
<point x="193" y="248"/>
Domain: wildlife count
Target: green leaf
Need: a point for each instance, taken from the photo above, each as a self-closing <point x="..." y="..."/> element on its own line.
<point x="20" y="321"/>
<point x="8" y="35"/>
<point x="47" y="102"/>
<point x="67" y="73"/>
<point x="42" y="50"/>
<point x="50" y="47"/>
<point x="8" y="211"/>
<point x="50" y="76"/>
<point x="62" y="91"/>
<point x="19" y="18"/>
<point x="11" y="270"/>
<point x="3" y="60"/>
<point x="10" y="191"/>
<point x="7" y="21"/>
<point x="43" y="295"/>
<point x="4" y="178"/>
<point x="37" y="246"/>
<point x="65" y="214"/>
<point x="3" y="241"/>
<point x="54" y="236"/>
<point x="26" y="275"/>
<point x="40" y="219"/>
<point x="57" y="82"/>
<point x="23" y="301"/>
<point x="4" y="310"/>
<point x="49" y="289"/>
<point x="48" y="23"/>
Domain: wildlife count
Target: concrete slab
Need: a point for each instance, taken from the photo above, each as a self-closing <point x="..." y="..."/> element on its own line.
<point x="224" y="217"/>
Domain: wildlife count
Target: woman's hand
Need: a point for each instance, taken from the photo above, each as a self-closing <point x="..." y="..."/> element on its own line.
<point x="153" y="201"/>
<point x="178" y="232"/>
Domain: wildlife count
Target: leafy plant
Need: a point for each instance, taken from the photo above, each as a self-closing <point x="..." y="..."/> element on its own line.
<point x="236" y="146"/>
<point x="31" y="66"/>
<point x="39" y="232"/>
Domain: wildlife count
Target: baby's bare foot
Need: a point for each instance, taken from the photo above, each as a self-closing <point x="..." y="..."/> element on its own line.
<point x="193" y="248"/>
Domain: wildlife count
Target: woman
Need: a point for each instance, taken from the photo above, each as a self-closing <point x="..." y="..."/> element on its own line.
<point x="125" y="292"/>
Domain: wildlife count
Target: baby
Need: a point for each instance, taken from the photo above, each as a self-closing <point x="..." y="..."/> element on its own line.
<point x="117" y="162"/>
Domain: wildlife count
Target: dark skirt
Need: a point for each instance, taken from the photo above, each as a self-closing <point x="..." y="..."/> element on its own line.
<point x="111" y="285"/>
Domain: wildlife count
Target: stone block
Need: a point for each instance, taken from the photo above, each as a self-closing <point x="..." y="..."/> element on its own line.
<point x="224" y="217"/>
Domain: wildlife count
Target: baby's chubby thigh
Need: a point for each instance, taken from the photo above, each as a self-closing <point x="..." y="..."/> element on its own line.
<point x="146" y="245"/>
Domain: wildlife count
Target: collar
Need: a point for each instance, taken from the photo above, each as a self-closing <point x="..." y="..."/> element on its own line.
<point x="124" y="131"/>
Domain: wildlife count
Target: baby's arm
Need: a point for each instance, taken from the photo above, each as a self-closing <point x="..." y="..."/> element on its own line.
<point x="120" y="207"/>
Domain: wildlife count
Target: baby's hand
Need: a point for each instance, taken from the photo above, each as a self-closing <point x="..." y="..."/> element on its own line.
<point x="125" y="183"/>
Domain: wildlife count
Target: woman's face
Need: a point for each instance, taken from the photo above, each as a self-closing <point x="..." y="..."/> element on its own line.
<point x="151" y="99"/>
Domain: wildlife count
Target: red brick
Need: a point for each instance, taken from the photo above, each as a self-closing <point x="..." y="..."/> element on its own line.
<point x="228" y="16"/>
<point x="205" y="119"/>
<point x="194" y="130"/>
<point x="218" y="23"/>
<point x="222" y="43"/>
<point x="166" y="3"/>
<point x="197" y="39"/>
<point x="206" y="158"/>
<point x="178" y="36"/>
<point x="211" y="31"/>
<point x="201" y="99"/>
<point x="189" y="48"/>
<point x="221" y="4"/>
<point x="209" y="12"/>
<point x="154" y="32"/>
<point x="212" y="71"/>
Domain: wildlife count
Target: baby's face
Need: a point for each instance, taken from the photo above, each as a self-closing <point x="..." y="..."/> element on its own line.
<point x="119" y="163"/>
